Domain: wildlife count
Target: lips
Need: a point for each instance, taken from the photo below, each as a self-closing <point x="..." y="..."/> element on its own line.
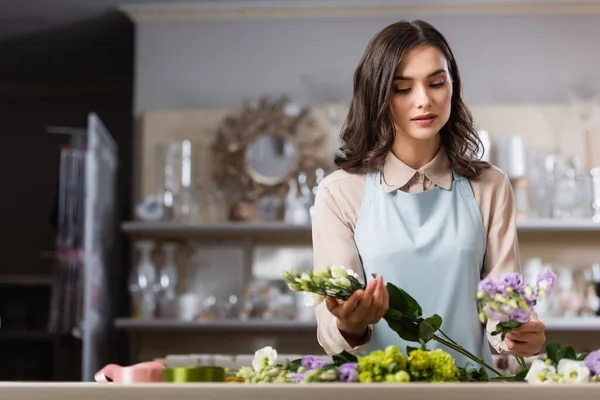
<point x="424" y="117"/>
<point x="424" y="120"/>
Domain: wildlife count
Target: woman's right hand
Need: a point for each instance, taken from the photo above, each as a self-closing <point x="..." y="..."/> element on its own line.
<point x="363" y="308"/>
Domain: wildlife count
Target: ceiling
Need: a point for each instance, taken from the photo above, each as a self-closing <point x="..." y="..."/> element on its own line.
<point x="79" y="39"/>
<point x="19" y="17"/>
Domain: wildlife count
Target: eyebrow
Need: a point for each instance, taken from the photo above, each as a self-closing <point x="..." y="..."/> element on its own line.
<point x="434" y="73"/>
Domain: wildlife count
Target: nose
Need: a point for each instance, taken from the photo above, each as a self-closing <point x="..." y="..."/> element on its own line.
<point x="422" y="98"/>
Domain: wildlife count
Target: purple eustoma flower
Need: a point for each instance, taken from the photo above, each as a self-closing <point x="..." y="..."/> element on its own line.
<point x="495" y="315"/>
<point x="298" y="377"/>
<point x="320" y="363"/>
<point x="519" y="315"/>
<point x="513" y="281"/>
<point x="592" y="362"/>
<point x="307" y="361"/>
<point x="348" y="372"/>
<point x="312" y="362"/>
<point x="488" y="286"/>
<point x="547" y="280"/>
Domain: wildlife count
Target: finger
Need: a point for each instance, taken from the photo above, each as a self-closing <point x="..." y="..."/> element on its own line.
<point x="380" y="300"/>
<point x="533" y="338"/>
<point x="331" y="303"/>
<point x="371" y="287"/>
<point x="521" y="348"/>
<point x="353" y="301"/>
<point x="365" y="303"/>
<point x="534" y="326"/>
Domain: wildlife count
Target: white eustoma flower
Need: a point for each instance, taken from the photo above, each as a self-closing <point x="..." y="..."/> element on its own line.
<point x="312" y="299"/>
<point x="344" y="282"/>
<point x="351" y="273"/>
<point x="540" y="372"/>
<point x="305" y="277"/>
<point x="267" y="356"/>
<point x="573" y="371"/>
<point x="338" y="272"/>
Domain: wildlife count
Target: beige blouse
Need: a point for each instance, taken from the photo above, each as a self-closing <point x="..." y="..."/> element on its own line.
<point x="337" y="205"/>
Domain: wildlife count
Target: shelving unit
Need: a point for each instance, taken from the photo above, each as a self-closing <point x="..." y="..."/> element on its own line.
<point x="263" y="230"/>
<point x="130" y="324"/>
<point x="579" y="324"/>
<point x="25" y="280"/>
<point x="158" y="337"/>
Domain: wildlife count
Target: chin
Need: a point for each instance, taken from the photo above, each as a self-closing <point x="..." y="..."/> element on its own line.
<point x="424" y="133"/>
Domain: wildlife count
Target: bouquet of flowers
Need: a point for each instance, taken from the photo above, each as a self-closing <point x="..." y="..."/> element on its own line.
<point x="404" y="314"/>
<point x="511" y="302"/>
<point x="563" y="365"/>
<point x="387" y="366"/>
<point x="265" y="369"/>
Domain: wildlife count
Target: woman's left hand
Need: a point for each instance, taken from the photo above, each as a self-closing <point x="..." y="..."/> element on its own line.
<point x="528" y="339"/>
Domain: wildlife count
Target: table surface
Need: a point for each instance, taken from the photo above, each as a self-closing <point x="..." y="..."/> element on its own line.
<point x="315" y="391"/>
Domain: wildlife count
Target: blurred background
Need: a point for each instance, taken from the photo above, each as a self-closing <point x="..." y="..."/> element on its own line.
<point x="161" y="161"/>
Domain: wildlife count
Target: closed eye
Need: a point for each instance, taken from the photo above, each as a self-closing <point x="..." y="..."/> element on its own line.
<point x="432" y="85"/>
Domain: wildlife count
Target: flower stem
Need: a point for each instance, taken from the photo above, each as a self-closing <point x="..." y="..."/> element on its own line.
<point x="521" y="362"/>
<point x="459" y="349"/>
<point x="447" y="337"/>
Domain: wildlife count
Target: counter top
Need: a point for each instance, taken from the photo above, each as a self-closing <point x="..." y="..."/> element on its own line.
<point x="233" y="391"/>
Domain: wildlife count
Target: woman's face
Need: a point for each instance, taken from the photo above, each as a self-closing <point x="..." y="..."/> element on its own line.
<point x="421" y="94"/>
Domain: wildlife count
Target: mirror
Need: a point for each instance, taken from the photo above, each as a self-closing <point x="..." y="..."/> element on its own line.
<point x="271" y="159"/>
<point x="260" y="148"/>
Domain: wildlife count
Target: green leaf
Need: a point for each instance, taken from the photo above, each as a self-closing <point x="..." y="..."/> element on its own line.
<point x="472" y="374"/>
<point x="435" y="321"/>
<point x="293" y="365"/>
<point x="566" y="352"/>
<point x="344" y="357"/>
<point x="406" y="329"/>
<point x="552" y="351"/>
<point x="520" y="377"/>
<point x="582" y="356"/>
<point x="426" y="331"/>
<point x="510" y="324"/>
<point x="402" y="301"/>
<point x="355" y="283"/>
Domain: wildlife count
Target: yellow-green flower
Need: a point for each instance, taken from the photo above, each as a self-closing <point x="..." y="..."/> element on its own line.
<point x="418" y="361"/>
<point x="442" y="366"/>
<point x="398" y="377"/>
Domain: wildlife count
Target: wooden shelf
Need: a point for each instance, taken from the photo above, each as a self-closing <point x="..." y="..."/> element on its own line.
<point x="259" y="232"/>
<point x="25" y="335"/>
<point x="131" y="324"/>
<point x="25" y="280"/>
<point x="279" y="230"/>
<point x="574" y="324"/>
<point x="558" y="225"/>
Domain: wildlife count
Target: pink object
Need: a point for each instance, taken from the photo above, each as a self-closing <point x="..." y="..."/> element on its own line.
<point x="143" y="372"/>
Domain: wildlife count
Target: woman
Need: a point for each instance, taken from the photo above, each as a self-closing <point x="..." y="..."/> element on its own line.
<point x="413" y="204"/>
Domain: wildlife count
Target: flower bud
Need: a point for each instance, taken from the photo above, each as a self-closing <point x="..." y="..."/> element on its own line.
<point x="344" y="282"/>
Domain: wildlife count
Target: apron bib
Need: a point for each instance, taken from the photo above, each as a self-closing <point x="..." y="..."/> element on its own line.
<point x="432" y="245"/>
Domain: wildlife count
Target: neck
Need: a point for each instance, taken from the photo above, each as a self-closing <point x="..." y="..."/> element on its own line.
<point x="414" y="152"/>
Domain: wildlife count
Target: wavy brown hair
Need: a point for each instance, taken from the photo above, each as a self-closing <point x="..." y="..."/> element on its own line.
<point x="368" y="133"/>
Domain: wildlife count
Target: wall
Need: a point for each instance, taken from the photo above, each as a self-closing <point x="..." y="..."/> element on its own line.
<point x="515" y="69"/>
<point x="504" y="60"/>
